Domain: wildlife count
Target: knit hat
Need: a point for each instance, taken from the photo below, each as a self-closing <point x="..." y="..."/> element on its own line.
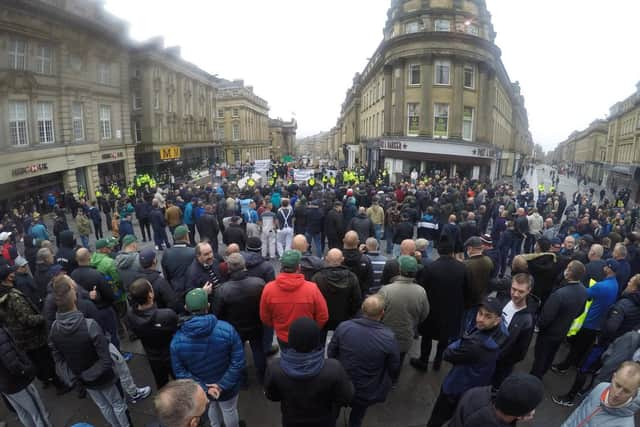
<point x="304" y="335"/>
<point x="180" y="232"/>
<point x="408" y="264"/>
<point x="5" y="271"/>
<point x="613" y="264"/>
<point x="196" y="300"/>
<point x="147" y="255"/>
<point x="519" y="394"/>
<point x="474" y="242"/>
<point x="254" y="244"/>
<point x="21" y="261"/>
<point x="486" y="239"/>
<point x="128" y="239"/>
<point x="291" y="258"/>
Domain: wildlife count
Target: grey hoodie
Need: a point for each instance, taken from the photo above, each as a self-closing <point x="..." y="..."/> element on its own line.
<point x="593" y="413"/>
<point x="128" y="266"/>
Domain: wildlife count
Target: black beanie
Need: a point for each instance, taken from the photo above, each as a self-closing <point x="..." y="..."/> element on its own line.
<point x="519" y="394"/>
<point x="254" y="244"/>
<point x="304" y="335"/>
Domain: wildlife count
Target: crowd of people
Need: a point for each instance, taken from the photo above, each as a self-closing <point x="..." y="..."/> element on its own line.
<point x="346" y="278"/>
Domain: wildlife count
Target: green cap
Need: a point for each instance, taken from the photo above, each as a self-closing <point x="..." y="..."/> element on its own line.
<point x="291" y="258"/>
<point x="102" y="243"/>
<point x="196" y="300"/>
<point x="128" y="239"/>
<point x="408" y="264"/>
<point x="180" y="232"/>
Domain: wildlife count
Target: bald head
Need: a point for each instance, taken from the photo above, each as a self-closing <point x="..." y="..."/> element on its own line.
<point x="232" y="249"/>
<point x="519" y="265"/>
<point x="372" y="244"/>
<point x="333" y="258"/>
<point x="83" y="256"/>
<point x="300" y="243"/>
<point x="408" y="247"/>
<point x="373" y="307"/>
<point x="351" y="240"/>
<point x="362" y="210"/>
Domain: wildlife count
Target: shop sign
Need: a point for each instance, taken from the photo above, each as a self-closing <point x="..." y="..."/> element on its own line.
<point x="38" y="167"/>
<point x="393" y="145"/>
<point x="114" y="155"/>
<point x="170" y="153"/>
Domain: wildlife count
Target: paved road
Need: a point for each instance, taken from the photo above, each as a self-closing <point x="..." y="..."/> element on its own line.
<point x="407" y="406"/>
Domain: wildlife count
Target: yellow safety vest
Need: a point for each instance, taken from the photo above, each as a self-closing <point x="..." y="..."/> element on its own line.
<point x="579" y="321"/>
<point x="251" y="182"/>
<point x="312" y="181"/>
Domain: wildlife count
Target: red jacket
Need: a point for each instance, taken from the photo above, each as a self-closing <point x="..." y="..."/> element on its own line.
<point x="288" y="298"/>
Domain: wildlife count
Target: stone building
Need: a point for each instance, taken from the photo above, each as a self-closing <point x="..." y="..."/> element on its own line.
<point x="242" y="123"/>
<point x="584" y="152"/>
<point x="173" y="112"/>
<point x="435" y="96"/>
<point x="64" y="103"/>
<point x="283" y="137"/>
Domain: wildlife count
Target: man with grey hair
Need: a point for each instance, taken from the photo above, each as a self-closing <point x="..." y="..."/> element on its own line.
<point x="378" y="262"/>
<point x="623" y="274"/>
<point x="237" y="301"/>
<point x="595" y="266"/>
<point x="181" y="403"/>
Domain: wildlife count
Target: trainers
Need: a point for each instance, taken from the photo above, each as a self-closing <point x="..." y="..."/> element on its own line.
<point x="127" y="356"/>
<point x="564" y="400"/>
<point x="558" y="369"/>
<point x="419" y="364"/>
<point x="141" y="393"/>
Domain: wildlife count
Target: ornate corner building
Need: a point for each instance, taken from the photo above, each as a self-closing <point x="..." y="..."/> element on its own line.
<point x="435" y="96"/>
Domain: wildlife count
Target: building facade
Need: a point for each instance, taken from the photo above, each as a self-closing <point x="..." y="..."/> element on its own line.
<point x="242" y="123"/>
<point x="584" y="152"/>
<point x="173" y="113"/>
<point x="64" y="71"/>
<point x="435" y="96"/>
<point x="283" y="137"/>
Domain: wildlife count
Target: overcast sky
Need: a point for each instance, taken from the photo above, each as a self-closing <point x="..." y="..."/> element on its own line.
<point x="574" y="58"/>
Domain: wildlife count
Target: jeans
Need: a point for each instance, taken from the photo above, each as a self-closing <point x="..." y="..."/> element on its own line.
<point x="145" y="228"/>
<point x="107" y="319"/>
<point x="85" y="241"/>
<point x="516" y="247"/>
<point x="358" y="411"/>
<point x="388" y="237"/>
<point x="121" y="369"/>
<point x="192" y="232"/>
<point x="283" y="240"/>
<point x="580" y="347"/>
<point x="314" y="239"/>
<point x="229" y="410"/>
<point x="162" y="371"/>
<point x="29" y="407"/>
<point x="160" y="237"/>
<point x="443" y="409"/>
<point x="396" y="250"/>
<point x="97" y="226"/>
<point x="259" y="355"/>
<point x="111" y="404"/>
<point x="268" y="243"/>
<point x="377" y="228"/>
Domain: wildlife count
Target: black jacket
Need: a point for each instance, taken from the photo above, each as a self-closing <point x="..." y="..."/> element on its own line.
<point x="521" y="225"/>
<point x="87" y="278"/>
<point x="235" y="234"/>
<point x="27" y="285"/>
<point x="42" y="276"/>
<point x="155" y="327"/>
<point x="238" y="302"/>
<point x="360" y="265"/>
<point x="563" y="305"/>
<point x="315" y="219"/>
<point x="544" y="269"/>
<point x="341" y="290"/>
<point x="362" y="225"/>
<point x="622" y="317"/>
<point x="257" y="266"/>
<point x="198" y="276"/>
<point x="157" y="219"/>
<point x="208" y="227"/>
<point x="476" y="409"/>
<point x="403" y="231"/>
<point x="514" y="348"/>
<point x="308" y="401"/>
<point x="66" y="255"/>
<point x="16" y="370"/>
<point x="165" y="296"/>
<point x="143" y="210"/>
<point x="334" y="226"/>
<point x="83" y="303"/>
<point x="175" y="263"/>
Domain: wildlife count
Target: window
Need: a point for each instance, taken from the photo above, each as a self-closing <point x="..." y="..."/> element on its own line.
<point x="44" y="60"/>
<point x="472" y="29"/>
<point x="170" y="103"/>
<point x="441" y="121"/>
<point x="467" y="123"/>
<point x="137" y="129"/>
<point x="18" y="123"/>
<point x="156" y="100"/>
<point x="187" y="105"/>
<point x="77" y="119"/>
<point x="137" y="73"/>
<point x="236" y="132"/>
<point x="137" y="100"/>
<point x="442" y="25"/>
<point x="105" y="122"/>
<point x="443" y="73"/>
<point x="414" y="74"/>
<point x="44" y="113"/>
<point x="236" y="113"/>
<point x="221" y="132"/>
<point x="413" y="119"/>
<point x="220" y="113"/>
<point x="75" y="62"/>
<point x="411" y="27"/>
<point x="104" y="73"/>
<point x="236" y="155"/>
<point x="469" y="76"/>
<point x="17" y="54"/>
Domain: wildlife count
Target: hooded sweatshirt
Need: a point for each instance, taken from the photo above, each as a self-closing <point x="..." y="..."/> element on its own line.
<point x="592" y="412"/>
<point x="289" y="297"/>
<point x="66" y="255"/>
<point x="128" y="267"/>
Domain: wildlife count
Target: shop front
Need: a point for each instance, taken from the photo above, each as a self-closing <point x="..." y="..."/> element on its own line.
<point x="31" y="184"/>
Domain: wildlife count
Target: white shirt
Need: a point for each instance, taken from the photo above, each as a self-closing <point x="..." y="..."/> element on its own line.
<point x="509" y="311"/>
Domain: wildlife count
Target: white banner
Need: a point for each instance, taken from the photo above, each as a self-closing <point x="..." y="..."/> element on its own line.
<point x="302" y="174"/>
<point x="262" y="165"/>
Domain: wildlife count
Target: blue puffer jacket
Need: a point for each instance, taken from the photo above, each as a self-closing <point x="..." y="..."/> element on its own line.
<point x="209" y="351"/>
<point x="474" y="359"/>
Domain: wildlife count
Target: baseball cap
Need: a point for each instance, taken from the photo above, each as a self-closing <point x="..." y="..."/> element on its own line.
<point x="128" y="239"/>
<point x="474" y="242"/>
<point x="4" y="236"/>
<point x="291" y="258"/>
<point x="408" y="264"/>
<point x="5" y="271"/>
<point x="21" y="261"/>
<point x="519" y="394"/>
<point x="613" y="264"/>
<point x="102" y="243"/>
<point x="180" y="232"/>
<point x="493" y="305"/>
<point x="147" y="255"/>
<point x="556" y="242"/>
<point x="196" y="300"/>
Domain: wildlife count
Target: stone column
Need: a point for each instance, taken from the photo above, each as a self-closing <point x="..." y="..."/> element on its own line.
<point x="70" y="182"/>
<point x="426" y="104"/>
<point x="93" y="181"/>
<point x="457" y="106"/>
<point x="483" y="114"/>
<point x="388" y="75"/>
<point x="399" y="110"/>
